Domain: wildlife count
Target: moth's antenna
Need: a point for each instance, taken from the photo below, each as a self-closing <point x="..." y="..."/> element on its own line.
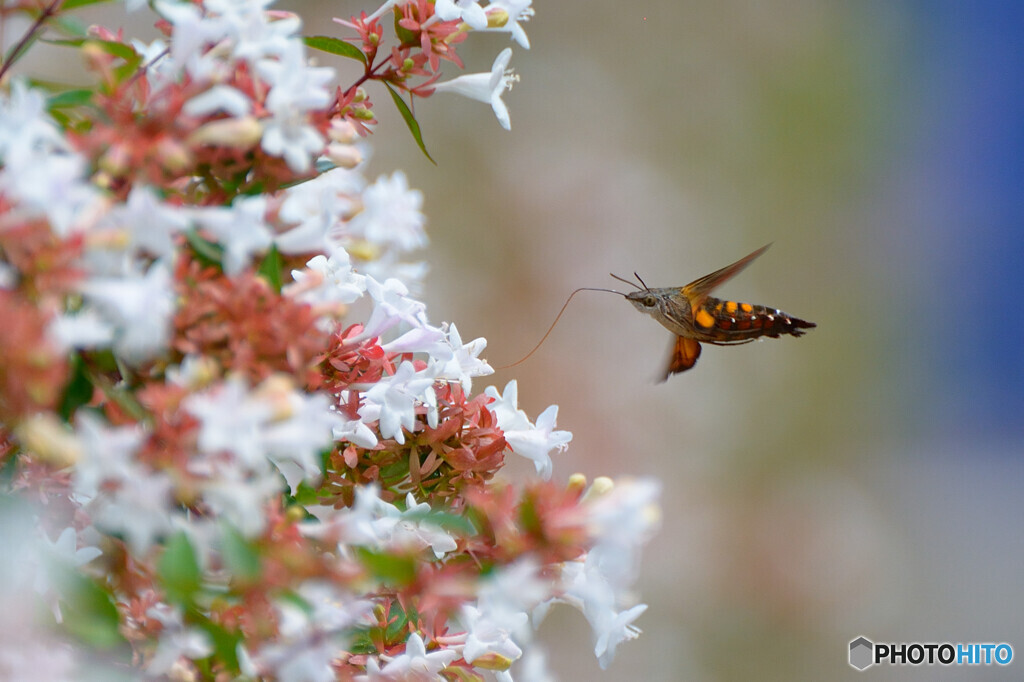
<point x="557" y="318"/>
<point x="646" y="288"/>
<point x="623" y="280"/>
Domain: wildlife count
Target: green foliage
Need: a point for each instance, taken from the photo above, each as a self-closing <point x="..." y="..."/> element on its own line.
<point x="240" y="556"/>
<point x="206" y="252"/>
<point x="75" y="4"/>
<point x="394" y="571"/>
<point x="271" y="268"/>
<point x="78" y="391"/>
<point x="335" y="46"/>
<point x="178" y="569"/>
<point x="89" y="613"/>
<point x="410" y="121"/>
<point x="70" y="98"/>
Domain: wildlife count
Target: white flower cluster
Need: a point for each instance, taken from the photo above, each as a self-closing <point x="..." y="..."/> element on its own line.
<point x="129" y="302"/>
<point x="273" y="48"/>
<point x="513" y="601"/>
<point x="372" y="522"/>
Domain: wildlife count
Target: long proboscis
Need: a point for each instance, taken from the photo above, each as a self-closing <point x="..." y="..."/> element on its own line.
<point x="557" y="318"/>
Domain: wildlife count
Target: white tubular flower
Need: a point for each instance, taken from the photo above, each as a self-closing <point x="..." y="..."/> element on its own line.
<point x="416" y="663"/>
<point x="328" y="279"/>
<point x="533" y="442"/>
<point x="512" y="11"/>
<point x="391" y="214"/>
<point x="138" y="307"/>
<point x="468" y="11"/>
<point x="296" y="89"/>
<point x="486" y="87"/>
<point x="459" y="362"/>
<point x="392" y="401"/>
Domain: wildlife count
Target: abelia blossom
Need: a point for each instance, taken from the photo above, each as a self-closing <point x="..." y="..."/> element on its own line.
<point x="392" y="401"/>
<point x="505" y="15"/>
<point x="535" y="442"/>
<point x="486" y="87"/>
<point x="415" y="662"/>
<point x="328" y="280"/>
<point x="241" y="228"/>
<point x="295" y="90"/>
<point x="176" y="640"/>
<point x="459" y="362"/>
<point x="468" y="11"/>
<point x="390" y="214"/>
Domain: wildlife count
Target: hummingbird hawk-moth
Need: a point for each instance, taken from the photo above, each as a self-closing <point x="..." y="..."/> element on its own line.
<point x="695" y="317"/>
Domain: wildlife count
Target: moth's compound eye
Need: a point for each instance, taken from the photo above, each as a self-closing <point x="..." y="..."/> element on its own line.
<point x="649" y="301"/>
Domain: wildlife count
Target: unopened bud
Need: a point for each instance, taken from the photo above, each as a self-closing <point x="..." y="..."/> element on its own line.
<point x="601" y="487"/>
<point x="116" y="160"/>
<point x="237" y="133"/>
<point x="295" y="513"/>
<point x="278" y="390"/>
<point x="362" y="114"/>
<point x="360" y="95"/>
<point x="46" y="437"/>
<point x="577" y="483"/>
<point x="492" y="661"/>
<point x="174" y="156"/>
<point x="93" y="53"/>
<point x="363" y="250"/>
<point x="344" y="155"/>
<point x="342" y="131"/>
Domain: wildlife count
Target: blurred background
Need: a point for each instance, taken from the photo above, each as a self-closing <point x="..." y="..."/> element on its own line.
<point x="861" y="480"/>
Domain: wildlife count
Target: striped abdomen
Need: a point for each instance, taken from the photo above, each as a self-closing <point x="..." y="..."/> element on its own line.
<point x="730" y="321"/>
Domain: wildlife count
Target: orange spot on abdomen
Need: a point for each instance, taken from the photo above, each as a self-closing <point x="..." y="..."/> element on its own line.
<point x="704" y="319"/>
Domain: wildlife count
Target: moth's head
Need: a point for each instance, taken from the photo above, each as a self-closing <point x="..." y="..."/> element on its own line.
<point x="645" y="301"/>
<point x="644" y="298"/>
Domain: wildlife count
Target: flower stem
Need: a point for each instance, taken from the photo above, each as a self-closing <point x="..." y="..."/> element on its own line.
<point x="18" y="49"/>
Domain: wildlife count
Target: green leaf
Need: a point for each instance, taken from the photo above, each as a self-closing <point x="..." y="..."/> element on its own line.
<point x="71" y="26"/>
<point x="306" y="494"/>
<point x="179" y="570"/>
<point x="111" y="47"/>
<point x="116" y="49"/>
<point x="410" y="121"/>
<point x="395" y="571"/>
<point x="225" y="643"/>
<point x="128" y="69"/>
<point x="395" y="631"/>
<point x="240" y="557"/>
<point x="75" y="4"/>
<point x="89" y="613"/>
<point x="271" y="268"/>
<point x="397" y="469"/>
<point x="449" y="522"/>
<point x="335" y="46"/>
<point x="361" y="641"/>
<point x="408" y="38"/>
<point x="207" y="252"/>
<point x="69" y="98"/>
<point x="79" y="390"/>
